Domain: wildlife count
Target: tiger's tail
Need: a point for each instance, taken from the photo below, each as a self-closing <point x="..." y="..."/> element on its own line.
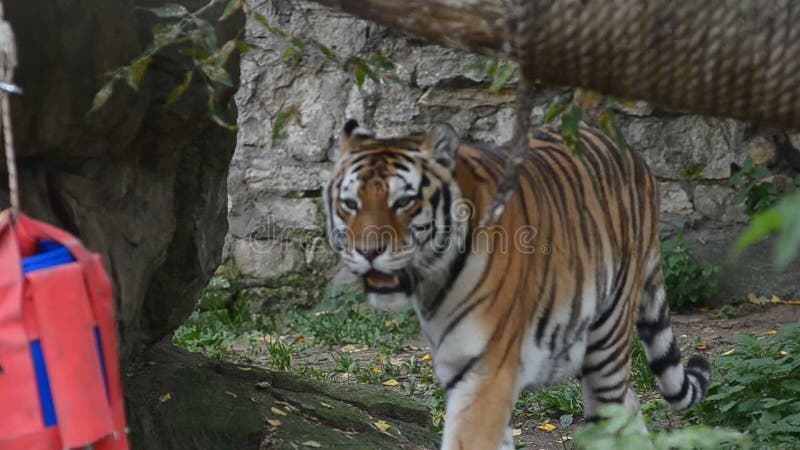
<point x="682" y="387"/>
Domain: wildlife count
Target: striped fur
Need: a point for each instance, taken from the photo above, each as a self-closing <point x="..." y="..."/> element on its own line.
<point x="553" y="290"/>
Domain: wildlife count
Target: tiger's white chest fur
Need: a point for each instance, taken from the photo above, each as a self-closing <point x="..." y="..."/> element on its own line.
<point x="544" y="361"/>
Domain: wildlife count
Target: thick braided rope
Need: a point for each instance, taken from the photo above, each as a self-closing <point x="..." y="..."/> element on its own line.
<point x="8" y="62"/>
<point x="733" y="58"/>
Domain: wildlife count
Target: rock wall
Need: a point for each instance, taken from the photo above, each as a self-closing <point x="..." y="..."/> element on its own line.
<point x="274" y="185"/>
<point x="139" y="182"/>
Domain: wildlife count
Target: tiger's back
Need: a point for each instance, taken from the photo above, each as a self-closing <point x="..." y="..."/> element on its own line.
<point x="553" y="289"/>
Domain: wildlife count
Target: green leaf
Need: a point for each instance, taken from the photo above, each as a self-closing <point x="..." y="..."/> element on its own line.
<point x="217" y="74"/>
<point x="138" y="69"/>
<point x="570" y="129"/>
<point x="760" y="227"/>
<point x="292" y="56"/>
<point x="617" y="135"/>
<point x="179" y="90"/>
<point x="242" y="46"/>
<point x="166" y="33"/>
<point x="226" y="51"/>
<point x="361" y="74"/>
<point x="554" y="111"/>
<point x="362" y="71"/>
<point x="504" y="73"/>
<point x="102" y="96"/>
<point x="230" y="8"/>
<point x="327" y="52"/>
<point x="788" y="242"/>
<point x="169" y="10"/>
<point x="221" y="122"/>
<point x="282" y="121"/>
<point x="208" y="34"/>
<point x="382" y="62"/>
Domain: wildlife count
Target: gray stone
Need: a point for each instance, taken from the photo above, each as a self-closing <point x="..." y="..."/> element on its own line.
<point x="435" y="85"/>
<point x="268" y="176"/>
<point x="674" y="199"/>
<point x="266" y="258"/>
<point x="712" y="201"/>
<point x="759" y="149"/>
<point x="679" y="147"/>
<point x="273" y="218"/>
<point x="438" y="64"/>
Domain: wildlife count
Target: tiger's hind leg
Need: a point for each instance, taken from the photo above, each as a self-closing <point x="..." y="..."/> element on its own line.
<point x="605" y="376"/>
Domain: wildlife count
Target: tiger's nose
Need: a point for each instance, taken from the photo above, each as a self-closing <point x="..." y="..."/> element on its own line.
<point x="372" y="252"/>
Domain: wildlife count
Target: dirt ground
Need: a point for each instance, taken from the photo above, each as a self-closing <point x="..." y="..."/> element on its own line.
<point x="698" y="333"/>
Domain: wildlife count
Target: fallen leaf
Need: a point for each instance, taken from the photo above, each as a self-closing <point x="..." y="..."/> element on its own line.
<point x="231" y="394"/>
<point x="278" y="411"/>
<point x="427" y="357"/>
<point x="729" y="352"/>
<point x="314" y="444"/>
<point x="792" y="302"/>
<point x="350" y="348"/>
<point x="268" y="339"/>
<point x="165" y="398"/>
<point x="783" y="353"/>
<point x="245" y="369"/>
<point x="274" y="422"/>
<point x="751" y="298"/>
<point x="263" y="385"/>
<point x="396" y="361"/>
<point x="770" y="333"/>
<point x="517" y="432"/>
<point x="701" y="346"/>
<point x="300" y="340"/>
<point x="547" y="427"/>
<point x="287" y="406"/>
<point x="703" y="309"/>
<point x="775" y="299"/>
<point x="391" y="382"/>
<point x="376" y="369"/>
<point x="326" y="405"/>
<point x="381" y="425"/>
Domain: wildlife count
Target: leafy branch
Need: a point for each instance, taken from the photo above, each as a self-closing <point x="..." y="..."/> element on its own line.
<point x="198" y="39"/>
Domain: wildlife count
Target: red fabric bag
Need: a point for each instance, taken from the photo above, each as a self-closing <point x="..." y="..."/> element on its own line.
<point x="60" y="384"/>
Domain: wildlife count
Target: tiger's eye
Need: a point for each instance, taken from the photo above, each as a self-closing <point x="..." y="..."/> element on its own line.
<point x="402" y="202"/>
<point x="350" y="204"/>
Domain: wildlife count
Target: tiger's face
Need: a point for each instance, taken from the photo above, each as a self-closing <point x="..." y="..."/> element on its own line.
<point x="388" y="205"/>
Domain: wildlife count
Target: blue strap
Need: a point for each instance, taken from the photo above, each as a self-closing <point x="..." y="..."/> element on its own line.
<point x="43" y="382"/>
<point x="50" y="254"/>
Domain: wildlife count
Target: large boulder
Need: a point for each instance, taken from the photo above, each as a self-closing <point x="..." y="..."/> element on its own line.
<point x="142" y="183"/>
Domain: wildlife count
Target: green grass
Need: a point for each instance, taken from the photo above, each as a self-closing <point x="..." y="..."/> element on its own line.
<point x="756" y="388"/>
<point x="344" y="317"/>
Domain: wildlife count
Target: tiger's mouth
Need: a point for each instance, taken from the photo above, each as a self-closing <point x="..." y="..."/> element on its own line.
<point x="382" y="282"/>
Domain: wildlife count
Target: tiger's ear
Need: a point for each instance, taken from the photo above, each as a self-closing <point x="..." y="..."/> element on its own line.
<point x="352" y="134"/>
<point x="442" y="142"/>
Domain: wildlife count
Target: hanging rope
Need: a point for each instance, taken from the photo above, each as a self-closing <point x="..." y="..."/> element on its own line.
<point x="8" y="63"/>
<point x="518" y="145"/>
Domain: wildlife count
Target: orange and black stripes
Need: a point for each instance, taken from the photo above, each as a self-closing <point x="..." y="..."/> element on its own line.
<point x="564" y="302"/>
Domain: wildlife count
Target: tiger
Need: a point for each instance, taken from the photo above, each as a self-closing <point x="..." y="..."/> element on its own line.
<point x="553" y="289"/>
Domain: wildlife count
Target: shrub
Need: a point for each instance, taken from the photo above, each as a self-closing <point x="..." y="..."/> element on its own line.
<point x="756" y="387"/>
<point x="621" y="430"/>
<point x="687" y="281"/>
<point x="756" y="193"/>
